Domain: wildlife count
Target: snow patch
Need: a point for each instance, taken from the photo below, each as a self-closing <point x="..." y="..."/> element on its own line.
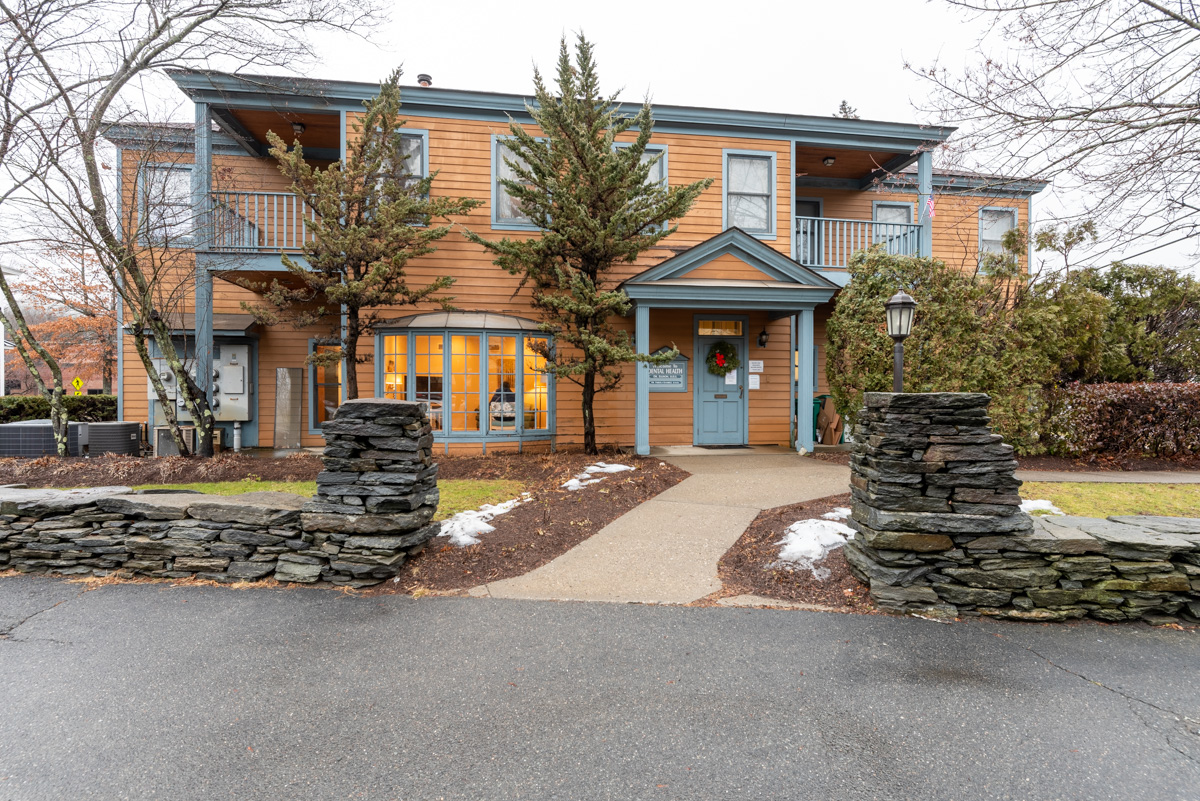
<point x="1041" y="506"/>
<point x="465" y="527"/>
<point x="581" y="480"/>
<point x="807" y="542"/>
<point x="838" y="513"/>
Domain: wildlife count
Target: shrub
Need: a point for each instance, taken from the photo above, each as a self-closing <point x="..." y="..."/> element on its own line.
<point x="991" y="332"/>
<point x="1132" y="420"/>
<point x="80" y="408"/>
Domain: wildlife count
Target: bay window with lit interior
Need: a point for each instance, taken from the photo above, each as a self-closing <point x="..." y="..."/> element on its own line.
<point x="481" y="382"/>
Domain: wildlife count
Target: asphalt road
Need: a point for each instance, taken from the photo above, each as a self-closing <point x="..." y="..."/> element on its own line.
<point x="145" y="692"/>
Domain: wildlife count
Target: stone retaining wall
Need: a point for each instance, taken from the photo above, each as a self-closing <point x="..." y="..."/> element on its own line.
<point x="940" y="530"/>
<point x="375" y="503"/>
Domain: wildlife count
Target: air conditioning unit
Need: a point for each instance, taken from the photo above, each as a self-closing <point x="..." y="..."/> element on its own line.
<point x="164" y="443"/>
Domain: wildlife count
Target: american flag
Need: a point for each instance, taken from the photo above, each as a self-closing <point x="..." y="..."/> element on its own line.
<point x="929" y="206"/>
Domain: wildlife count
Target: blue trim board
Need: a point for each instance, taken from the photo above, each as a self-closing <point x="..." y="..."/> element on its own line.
<point x="738" y="243"/>
<point x="293" y="93"/>
<point x="641" y="427"/>
<point x="805" y="388"/>
<point x="773" y="182"/>
<point x="875" y="204"/>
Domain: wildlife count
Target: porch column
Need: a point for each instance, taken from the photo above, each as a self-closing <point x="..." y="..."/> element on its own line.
<point x="925" y="192"/>
<point x="805" y="437"/>
<point x="793" y="406"/>
<point x="201" y="193"/>
<point x="641" y="343"/>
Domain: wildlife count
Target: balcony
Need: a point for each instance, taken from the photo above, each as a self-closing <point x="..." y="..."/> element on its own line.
<point x="829" y="243"/>
<point x="259" y="222"/>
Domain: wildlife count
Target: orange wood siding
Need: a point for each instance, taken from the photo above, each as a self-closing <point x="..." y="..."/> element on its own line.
<point x="460" y="152"/>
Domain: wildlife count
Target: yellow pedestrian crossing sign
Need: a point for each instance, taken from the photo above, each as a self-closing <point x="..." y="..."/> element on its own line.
<point x="78" y="384"/>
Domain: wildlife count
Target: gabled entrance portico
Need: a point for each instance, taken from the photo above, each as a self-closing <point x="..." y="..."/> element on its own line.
<point x="725" y="278"/>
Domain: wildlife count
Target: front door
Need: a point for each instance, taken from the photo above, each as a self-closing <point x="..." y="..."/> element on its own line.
<point x="720" y="401"/>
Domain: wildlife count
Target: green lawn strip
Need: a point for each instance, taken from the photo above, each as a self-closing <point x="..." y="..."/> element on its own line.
<point x="1104" y="499"/>
<point x="457" y="495"/>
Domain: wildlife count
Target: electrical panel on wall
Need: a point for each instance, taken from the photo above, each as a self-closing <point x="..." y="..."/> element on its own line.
<point x="230" y="390"/>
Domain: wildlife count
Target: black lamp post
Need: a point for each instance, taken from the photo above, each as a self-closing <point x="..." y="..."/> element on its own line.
<point x="900" y="308"/>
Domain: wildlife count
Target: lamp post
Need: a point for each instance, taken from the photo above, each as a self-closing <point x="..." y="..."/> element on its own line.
<point x="900" y="309"/>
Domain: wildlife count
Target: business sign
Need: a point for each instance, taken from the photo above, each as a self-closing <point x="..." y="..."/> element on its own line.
<point x="669" y="377"/>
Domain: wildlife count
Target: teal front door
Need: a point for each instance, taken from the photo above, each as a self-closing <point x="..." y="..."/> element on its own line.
<point x="720" y="401"/>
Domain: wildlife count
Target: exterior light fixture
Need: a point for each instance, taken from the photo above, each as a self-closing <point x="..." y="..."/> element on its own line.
<point x="900" y="310"/>
<point x="828" y="161"/>
<point x="298" y="128"/>
<point x="425" y="79"/>
<point x="763" y="336"/>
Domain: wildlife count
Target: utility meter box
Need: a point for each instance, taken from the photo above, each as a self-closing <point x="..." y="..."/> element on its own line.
<point x="231" y="383"/>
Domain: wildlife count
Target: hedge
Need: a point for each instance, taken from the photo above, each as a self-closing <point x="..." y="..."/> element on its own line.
<point x="80" y="408"/>
<point x="1133" y="420"/>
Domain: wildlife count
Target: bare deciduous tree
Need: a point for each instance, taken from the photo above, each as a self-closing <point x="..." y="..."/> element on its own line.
<point x="79" y="78"/>
<point x="1102" y="96"/>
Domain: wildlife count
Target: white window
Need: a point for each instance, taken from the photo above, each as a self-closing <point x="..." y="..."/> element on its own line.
<point x="993" y="225"/>
<point x="167" y="204"/>
<point x="411" y="157"/>
<point x="506" y="211"/>
<point x="893" y="213"/>
<point x="749" y="195"/>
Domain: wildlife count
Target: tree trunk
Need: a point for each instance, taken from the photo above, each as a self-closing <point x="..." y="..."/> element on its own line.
<point x="589" y="420"/>
<point x="350" y="354"/>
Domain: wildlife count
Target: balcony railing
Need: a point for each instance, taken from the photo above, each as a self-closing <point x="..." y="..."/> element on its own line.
<point x="260" y="221"/>
<point x="830" y="242"/>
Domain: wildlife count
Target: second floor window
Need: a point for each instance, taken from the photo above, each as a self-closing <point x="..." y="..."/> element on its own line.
<point x="506" y="211"/>
<point x="993" y="225"/>
<point x="749" y="199"/>
<point x="411" y="157"/>
<point x="167" y="204"/>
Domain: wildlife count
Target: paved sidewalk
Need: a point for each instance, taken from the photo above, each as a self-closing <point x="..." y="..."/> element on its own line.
<point x="666" y="550"/>
<point x="1114" y="476"/>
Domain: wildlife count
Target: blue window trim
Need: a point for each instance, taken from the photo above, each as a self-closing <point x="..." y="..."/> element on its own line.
<point x="773" y="211"/>
<point x="875" y="204"/>
<point x="979" y="224"/>
<point x="499" y="224"/>
<point x="144" y="200"/>
<point x="313" y="428"/>
<point x="483" y="435"/>
<point x="423" y="135"/>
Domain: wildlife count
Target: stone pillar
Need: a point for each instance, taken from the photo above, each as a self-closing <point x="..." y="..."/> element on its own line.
<point x="378" y="491"/>
<point x="928" y="476"/>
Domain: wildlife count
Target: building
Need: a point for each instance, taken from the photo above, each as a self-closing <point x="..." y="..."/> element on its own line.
<point x="757" y="263"/>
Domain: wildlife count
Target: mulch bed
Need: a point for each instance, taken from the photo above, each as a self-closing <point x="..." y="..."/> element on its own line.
<point x="1058" y="463"/>
<point x="113" y="470"/>
<point x="534" y="533"/>
<point x="744" y="567"/>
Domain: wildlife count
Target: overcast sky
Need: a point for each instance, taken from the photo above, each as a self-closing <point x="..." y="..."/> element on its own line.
<point x="792" y="57"/>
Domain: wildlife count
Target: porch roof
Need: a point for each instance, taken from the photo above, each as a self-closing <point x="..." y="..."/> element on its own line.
<point x="781" y="284"/>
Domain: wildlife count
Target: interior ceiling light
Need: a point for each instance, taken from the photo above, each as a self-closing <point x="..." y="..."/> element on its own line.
<point x="828" y="161"/>
<point x="298" y="128"/>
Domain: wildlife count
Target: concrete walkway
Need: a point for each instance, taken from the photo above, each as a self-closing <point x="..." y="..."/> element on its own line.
<point x="666" y="550"/>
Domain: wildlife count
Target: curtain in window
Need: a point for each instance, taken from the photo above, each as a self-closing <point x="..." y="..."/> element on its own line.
<point x="167" y="202"/>
<point x="507" y="209"/>
<point x="993" y="225"/>
<point x="749" y="193"/>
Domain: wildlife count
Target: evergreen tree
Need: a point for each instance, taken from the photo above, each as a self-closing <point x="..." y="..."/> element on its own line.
<point x="596" y="208"/>
<point x="847" y="111"/>
<point x="373" y="214"/>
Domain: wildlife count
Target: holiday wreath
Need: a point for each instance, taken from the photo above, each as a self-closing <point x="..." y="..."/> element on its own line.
<point x="722" y="358"/>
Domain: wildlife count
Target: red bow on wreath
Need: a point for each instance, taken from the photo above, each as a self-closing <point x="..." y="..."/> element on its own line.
<point x="720" y="360"/>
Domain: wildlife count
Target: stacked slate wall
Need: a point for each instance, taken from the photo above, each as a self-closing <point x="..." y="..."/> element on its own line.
<point x="377" y="498"/>
<point x="940" y="531"/>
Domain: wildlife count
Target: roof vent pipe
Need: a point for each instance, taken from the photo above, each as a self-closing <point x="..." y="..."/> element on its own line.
<point x="425" y="79"/>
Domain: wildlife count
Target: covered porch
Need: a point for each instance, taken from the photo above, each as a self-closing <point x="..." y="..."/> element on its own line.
<point x="738" y="293"/>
